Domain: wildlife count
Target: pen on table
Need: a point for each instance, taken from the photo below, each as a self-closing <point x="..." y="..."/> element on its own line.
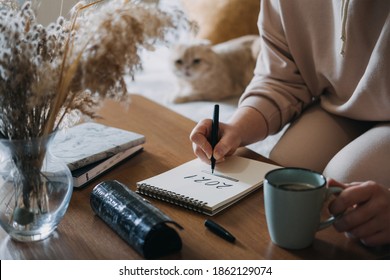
<point x="220" y="231"/>
<point x="214" y="134"/>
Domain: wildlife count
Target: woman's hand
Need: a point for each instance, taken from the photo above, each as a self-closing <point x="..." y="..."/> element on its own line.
<point x="228" y="142"/>
<point x="246" y="126"/>
<point x="366" y="207"/>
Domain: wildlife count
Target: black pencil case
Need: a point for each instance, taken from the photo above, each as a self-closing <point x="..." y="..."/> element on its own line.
<point x="139" y="223"/>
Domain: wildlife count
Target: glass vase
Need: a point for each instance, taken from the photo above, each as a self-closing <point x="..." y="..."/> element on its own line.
<point x="35" y="188"/>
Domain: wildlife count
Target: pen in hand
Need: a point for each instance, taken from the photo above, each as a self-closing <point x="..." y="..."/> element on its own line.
<point x="214" y="134"/>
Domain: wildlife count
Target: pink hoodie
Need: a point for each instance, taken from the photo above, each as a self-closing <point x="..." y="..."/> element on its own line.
<point x="335" y="51"/>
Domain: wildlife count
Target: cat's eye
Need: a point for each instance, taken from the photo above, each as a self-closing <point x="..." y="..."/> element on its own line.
<point x="179" y="62"/>
<point x="196" y="60"/>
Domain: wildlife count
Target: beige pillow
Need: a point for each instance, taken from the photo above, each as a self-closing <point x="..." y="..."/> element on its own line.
<point x="221" y="20"/>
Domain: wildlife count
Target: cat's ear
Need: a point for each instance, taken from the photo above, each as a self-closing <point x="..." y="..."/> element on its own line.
<point x="204" y="45"/>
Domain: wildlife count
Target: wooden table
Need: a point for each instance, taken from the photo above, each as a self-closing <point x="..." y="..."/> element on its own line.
<point x="82" y="235"/>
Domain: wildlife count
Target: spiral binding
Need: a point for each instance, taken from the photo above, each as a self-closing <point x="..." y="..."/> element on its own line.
<point x="172" y="197"/>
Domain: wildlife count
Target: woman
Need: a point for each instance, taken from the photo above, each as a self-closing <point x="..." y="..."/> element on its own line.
<point x="324" y="68"/>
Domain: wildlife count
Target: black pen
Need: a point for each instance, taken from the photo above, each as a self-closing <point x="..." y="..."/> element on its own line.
<point x="214" y="134"/>
<point x="220" y="231"/>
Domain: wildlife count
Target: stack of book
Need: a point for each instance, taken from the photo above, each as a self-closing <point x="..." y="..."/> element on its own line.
<point x="90" y="149"/>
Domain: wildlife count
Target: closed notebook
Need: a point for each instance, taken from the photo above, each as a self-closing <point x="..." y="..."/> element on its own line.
<point x="193" y="186"/>
<point x="91" y="142"/>
<point x="90" y="149"/>
<point x="84" y="175"/>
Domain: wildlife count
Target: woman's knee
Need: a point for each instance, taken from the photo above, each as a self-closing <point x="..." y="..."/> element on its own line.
<point x="313" y="139"/>
<point x="365" y="158"/>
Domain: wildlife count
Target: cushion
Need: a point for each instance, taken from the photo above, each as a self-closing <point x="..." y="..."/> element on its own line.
<point x="222" y="20"/>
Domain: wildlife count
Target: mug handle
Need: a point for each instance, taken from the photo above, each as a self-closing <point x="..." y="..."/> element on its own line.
<point x="331" y="219"/>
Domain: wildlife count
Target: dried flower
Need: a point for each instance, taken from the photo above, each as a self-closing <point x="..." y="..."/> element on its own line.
<point x="68" y="67"/>
<point x="52" y="74"/>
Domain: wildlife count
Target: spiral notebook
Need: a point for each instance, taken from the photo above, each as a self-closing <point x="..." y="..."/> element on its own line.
<point x="193" y="186"/>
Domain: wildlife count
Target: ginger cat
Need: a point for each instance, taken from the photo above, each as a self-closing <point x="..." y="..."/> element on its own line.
<point x="206" y="72"/>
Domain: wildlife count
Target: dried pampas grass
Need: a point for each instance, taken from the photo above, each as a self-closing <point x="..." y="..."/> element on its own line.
<point x="70" y="66"/>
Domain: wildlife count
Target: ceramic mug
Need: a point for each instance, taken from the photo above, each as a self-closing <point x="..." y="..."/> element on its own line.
<point x="293" y="200"/>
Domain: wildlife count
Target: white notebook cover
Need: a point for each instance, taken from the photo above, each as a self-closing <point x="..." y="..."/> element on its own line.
<point x="90" y="142"/>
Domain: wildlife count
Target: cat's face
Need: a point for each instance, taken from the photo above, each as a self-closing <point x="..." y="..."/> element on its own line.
<point x="192" y="61"/>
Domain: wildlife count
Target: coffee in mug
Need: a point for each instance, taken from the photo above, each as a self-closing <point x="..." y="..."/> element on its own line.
<point x="296" y="186"/>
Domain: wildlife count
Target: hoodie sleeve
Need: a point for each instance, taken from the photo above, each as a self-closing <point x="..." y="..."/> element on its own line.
<point x="277" y="89"/>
